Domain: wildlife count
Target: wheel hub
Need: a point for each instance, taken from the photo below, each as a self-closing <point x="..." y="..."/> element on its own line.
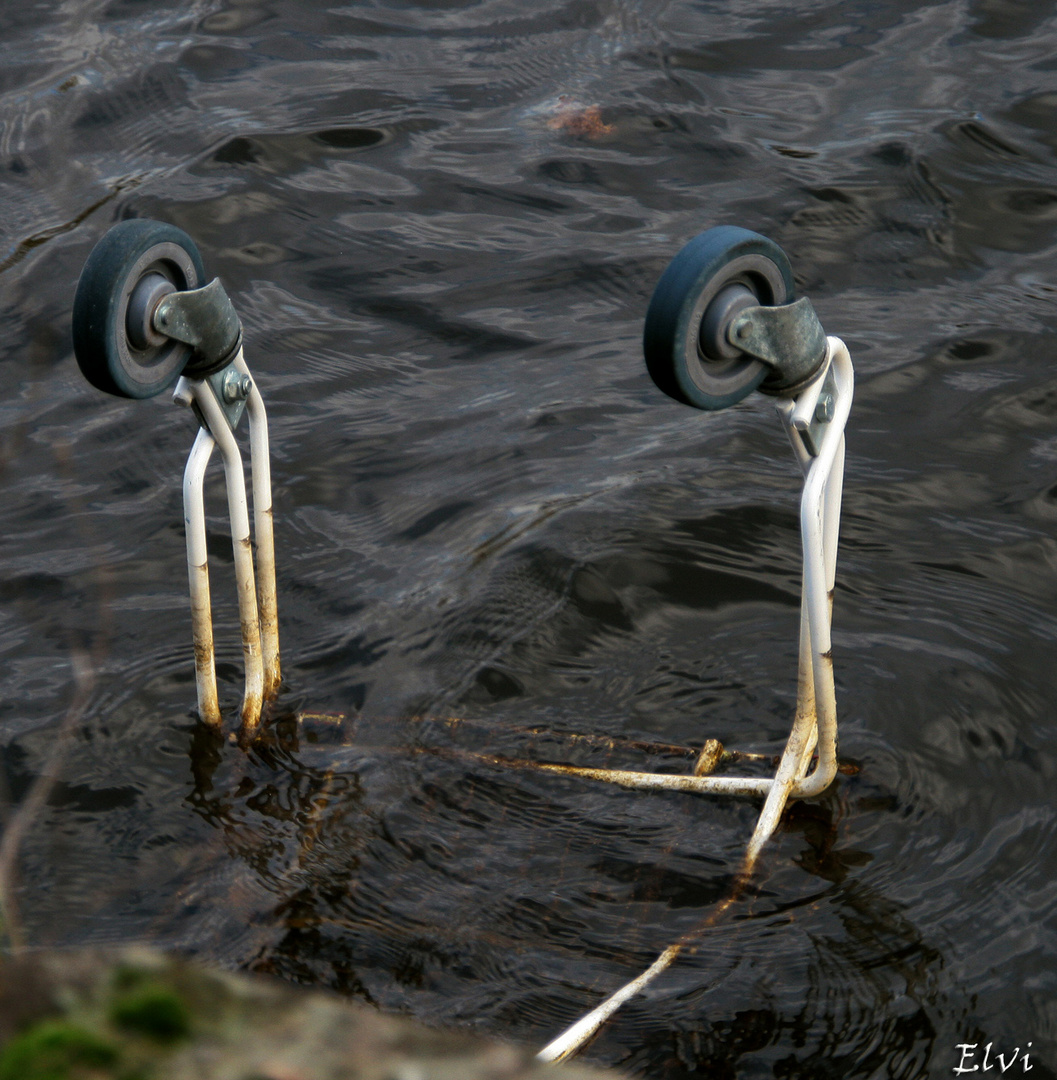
<point x="149" y="292"/>
<point x="727" y="304"/>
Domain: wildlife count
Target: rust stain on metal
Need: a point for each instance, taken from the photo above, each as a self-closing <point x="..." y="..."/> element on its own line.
<point x="324" y="717"/>
<point x="251" y="718"/>
<point x="203" y="654"/>
<point x="612" y="742"/>
<point x="711" y="755"/>
<point x="604" y="742"/>
<point x="202" y="635"/>
<point x="269" y="614"/>
<point x="272" y="679"/>
<point x="251" y="637"/>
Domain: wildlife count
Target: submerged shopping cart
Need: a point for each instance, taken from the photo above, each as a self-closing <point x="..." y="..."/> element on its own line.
<point x="722" y="323"/>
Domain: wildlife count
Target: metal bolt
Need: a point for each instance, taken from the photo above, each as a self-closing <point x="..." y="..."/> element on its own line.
<point x="236" y="387"/>
<point x="824" y="408"/>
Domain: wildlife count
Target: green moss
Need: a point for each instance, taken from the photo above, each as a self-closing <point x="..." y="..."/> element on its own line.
<point x="153" y="1011"/>
<point x="54" y="1050"/>
<point x="128" y="977"/>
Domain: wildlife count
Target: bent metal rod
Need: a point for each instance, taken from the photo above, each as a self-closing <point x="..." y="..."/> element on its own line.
<point x="218" y="402"/>
<point x="815" y="422"/>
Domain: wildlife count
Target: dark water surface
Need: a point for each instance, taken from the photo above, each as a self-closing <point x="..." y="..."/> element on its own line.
<point x="486" y="510"/>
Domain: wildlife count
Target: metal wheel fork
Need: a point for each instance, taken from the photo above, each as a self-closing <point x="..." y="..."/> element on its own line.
<point x="218" y="402"/>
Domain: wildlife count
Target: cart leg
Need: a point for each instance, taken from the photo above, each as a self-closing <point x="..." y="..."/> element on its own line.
<point x="198" y="577"/>
<point x="263" y="533"/>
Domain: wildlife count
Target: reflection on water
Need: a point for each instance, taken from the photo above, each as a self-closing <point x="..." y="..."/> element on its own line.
<point x="441" y="224"/>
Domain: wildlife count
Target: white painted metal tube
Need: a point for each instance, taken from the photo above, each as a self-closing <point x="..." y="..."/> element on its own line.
<point x="198" y="577"/>
<point x="263" y="533"/>
<point x="238" y="512"/>
<point x="805" y="679"/>
<point x="574" y="1037"/>
<point x="813" y="505"/>
<point x="702" y="785"/>
<point x="831" y="516"/>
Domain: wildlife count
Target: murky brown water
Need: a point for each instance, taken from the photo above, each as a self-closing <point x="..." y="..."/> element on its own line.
<point x="441" y="224"/>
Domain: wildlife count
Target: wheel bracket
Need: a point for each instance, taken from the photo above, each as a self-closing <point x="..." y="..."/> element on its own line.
<point x="812" y="410"/>
<point x="206" y="320"/>
<point x="788" y="338"/>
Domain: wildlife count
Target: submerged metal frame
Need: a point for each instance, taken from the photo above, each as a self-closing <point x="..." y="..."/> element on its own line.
<point x="258" y="609"/>
<point x="815" y="422"/>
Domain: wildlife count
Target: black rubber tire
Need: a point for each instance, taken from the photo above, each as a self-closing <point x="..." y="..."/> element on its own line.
<point x="122" y="259"/>
<point x="672" y="338"/>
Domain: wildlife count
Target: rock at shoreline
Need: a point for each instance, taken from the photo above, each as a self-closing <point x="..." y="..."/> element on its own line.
<point x="135" y="1014"/>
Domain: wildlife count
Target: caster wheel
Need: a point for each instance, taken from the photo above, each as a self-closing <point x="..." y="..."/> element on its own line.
<point x="716" y="276"/>
<point x="135" y="265"/>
